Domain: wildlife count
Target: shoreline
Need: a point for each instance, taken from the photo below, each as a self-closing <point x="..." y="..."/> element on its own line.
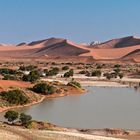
<point x="44" y="97"/>
<point x="100" y="132"/>
<point x="3" y="109"/>
<point x="91" y="82"/>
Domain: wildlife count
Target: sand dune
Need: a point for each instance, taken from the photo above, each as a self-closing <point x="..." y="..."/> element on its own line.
<point x="118" y="43"/>
<point x="48" y="47"/>
<point x="127" y="48"/>
<point x="117" y="53"/>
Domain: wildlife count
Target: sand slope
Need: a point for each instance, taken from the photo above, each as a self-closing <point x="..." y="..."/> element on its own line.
<point x="49" y="47"/>
<point x="127" y="48"/>
<point x="118" y="43"/>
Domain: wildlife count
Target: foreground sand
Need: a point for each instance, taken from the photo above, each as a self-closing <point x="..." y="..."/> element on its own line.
<point x="90" y="82"/>
<point x="17" y="133"/>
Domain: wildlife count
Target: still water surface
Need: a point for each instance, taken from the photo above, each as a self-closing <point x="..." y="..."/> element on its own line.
<point x="99" y="108"/>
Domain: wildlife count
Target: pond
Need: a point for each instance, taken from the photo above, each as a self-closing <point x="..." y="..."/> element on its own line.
<point x="98" y="108"/>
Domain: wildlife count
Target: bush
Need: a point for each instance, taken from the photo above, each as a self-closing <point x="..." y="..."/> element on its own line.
<point x="44" y="88"/>
<point x="15" y="97"/>
<point x="110" y="75"/>
<point x="9" y="77"/>
<point x="69" y="73"/>
<point x="11" y="115"/>
<point x="96" y="73"/>
<point x="98" y="66"/>
<point x="31" y="77"/>
<point x="117" y="70"/>
<point x="120" y="75"/>
<point x="52" y="72"/>
<point x="74" y="83"/>
<point x="117" y="66"/>
<point x="27" y="68"/>
<point x="26" y="120"/>
<point x="7" y="71"/>
<point x="65" y="68"/>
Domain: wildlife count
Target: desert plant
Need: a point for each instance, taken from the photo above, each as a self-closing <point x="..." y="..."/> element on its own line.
<point x="26" y="120"/>
<point x="11" y="115"/>
<point x="74" y="83"/>
<point x="96" y="73"/>
<point x="65" y="68"/>
<point x="69" y="73"/>
<point x="120" y="75"/>
<point x="44" y="88"/>
<point x="15" y="97"/>
<point x="31" y="77"/>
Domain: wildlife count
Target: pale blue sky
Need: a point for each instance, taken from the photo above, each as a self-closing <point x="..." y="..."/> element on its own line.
<point x="77" y="20"/>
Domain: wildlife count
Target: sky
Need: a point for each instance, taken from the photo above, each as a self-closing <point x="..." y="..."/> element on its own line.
<point x="81" y="21"/>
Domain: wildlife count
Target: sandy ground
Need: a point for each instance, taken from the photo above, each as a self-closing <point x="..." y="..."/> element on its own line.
<point x="12" y="83"/>
<point x="17" y="133"/>
<point x="89" y="82"/>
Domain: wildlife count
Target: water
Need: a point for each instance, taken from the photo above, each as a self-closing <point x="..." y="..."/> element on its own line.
<point x="99" y="108"/>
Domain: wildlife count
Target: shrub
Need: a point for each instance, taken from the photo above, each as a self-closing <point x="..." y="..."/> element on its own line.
<point x="120" y="75"/>
<point x="15" y="97"/>
<point x="9" y="77"/>
<point x="117" y="70"/>
<point x="117" y="66"/>
<point x="98" y="66"/>
<point x="11" y="115"/>
<point x="96" y="73"/>
<point x="83" y="72"/>
<point x="69" y="73"/>
<point x="65" y="68"/>
<point x="110" y="75"/>
<point x="74" y="83"/>
<point x="7" y="71"/>
<point x="52" y="72"/>
<point x="31" y="77"/>
<point x="27" y="68"/>
<point x="26" y="120"/>
<point x="44" y="88"/>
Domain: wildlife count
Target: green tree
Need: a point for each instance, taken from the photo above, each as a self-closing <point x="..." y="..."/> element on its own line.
<point x="26" y="120"/>
<point x="69" y="73"/>
<point x="44" y="88"/>
<point x="11" y="115"/>
<point x="15" y="97"/>
<point x="96" y="73"/>
<point x="7" y="71"/>
<point x="31" y="77"/>
<point x="74" y="83"/>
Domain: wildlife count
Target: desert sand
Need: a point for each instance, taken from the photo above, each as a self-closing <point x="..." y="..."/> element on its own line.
<point x="126" y="48"/>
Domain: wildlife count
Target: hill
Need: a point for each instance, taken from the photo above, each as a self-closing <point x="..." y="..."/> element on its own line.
<point x="43" y="48"/>
<point x="118" y="43"/>
<point x="59" y="49"/>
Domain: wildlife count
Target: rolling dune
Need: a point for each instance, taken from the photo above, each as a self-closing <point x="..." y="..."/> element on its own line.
<point x="127" y="48"/>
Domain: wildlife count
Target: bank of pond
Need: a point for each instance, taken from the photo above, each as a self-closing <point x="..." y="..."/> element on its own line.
<point x="100" y="107"/>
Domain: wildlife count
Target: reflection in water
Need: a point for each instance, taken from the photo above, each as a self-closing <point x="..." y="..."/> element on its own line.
<point x="99" y="108"/>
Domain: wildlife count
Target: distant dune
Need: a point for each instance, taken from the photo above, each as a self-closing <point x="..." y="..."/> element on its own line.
<point x="119" y="43"/>
<point x="126" y="48"/>
<point x="42" y="48"/>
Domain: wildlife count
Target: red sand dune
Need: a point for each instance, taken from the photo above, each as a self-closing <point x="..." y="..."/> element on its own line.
<point x="49" y="47"/>
<point x="118" y="43"/>
<point x="116" y="49"/>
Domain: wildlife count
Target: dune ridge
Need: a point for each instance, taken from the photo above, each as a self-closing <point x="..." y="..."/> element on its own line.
<point x="126" y="48"/>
